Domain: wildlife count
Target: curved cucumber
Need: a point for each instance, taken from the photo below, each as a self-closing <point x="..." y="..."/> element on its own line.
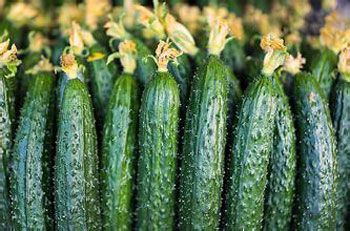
<point x="119" y="153"/>
<point x="317" y="164"/>
<point x="102" y="79"/>
<point x="280" y="188"/>
<point x="31" y="166"/>
<point x="6" y="133"/>
<point x="322" y="68"/>
<point x="252" y="146"/>
<point x="159" y="118"/>
<point x="203" y="150"/>
<point x="340" y="106"/>
<point x="76" y="165"/>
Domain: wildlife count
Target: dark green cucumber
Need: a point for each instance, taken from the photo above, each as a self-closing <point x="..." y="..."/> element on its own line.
<point x="182" y="73"/>
<point x="316" y="180"/>
<point x="158" y="153"/>
<point x="203" y="150"/>
<point x="60" y="43"/>
<point x="76" y="164"/>
<point x="6" y="134"/>
<point x="282" y="167"/>
<point x="31" y="186"/>
<point x="102" y="79"/>
<point x="340" y="108"/>
<point x="252" y="145"/>
<point x="144" y="69"/>
<point x="119" y="153"/>
<point x="234" y="56"/>
<point x="24" y="79"/>
<point x="322" y="67"/>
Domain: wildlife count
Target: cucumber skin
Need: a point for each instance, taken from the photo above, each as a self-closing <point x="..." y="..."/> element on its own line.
<point x="203" y="150"/>
<point x="144" y="68"/>
<point x="6" y="134"/>
<point x="234" y="56"/>
<point x="322" y="68"/>
<point x="119" y="154"/>
<point x="252" y="145"/>
<point x="76" y="163"/>
<point x="282" y="167"/>
<point x="159" y="116"/>
<point x="31" y="171"/>
<point x="102" y="80"/>
<point x="316" y="140"/>
<point x="341" y="120"/>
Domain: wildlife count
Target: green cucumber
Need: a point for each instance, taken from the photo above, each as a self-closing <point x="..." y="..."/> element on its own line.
<point x="316" y="180"/>
<point x="76" y="163"/>
<point x="234" y="56"/>
<point x="252" y="145"/>
<point x="144" y="69"/>
<point x="341" y="120"/>
<point x="322" y="67"/>
<point x="31" y="190"/>
<point x="119" y="153"/>
<point x="203" y="150"/>
<point x="282" y="167"/>
<point x="102" y="79"/>
<point x="159" y="116"/>
<point x="6" y="133"/>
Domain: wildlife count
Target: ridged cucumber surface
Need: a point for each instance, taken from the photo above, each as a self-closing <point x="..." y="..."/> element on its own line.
<point x="76" y="164"/>
<point x="159" y="116"/>
<point x="252" y="145"/>
<point x="6" y="134"/>
<point x="322" y="67"/>
<point x="31" y="186"/>
<point x="203" y="150"/>
<point x="316" y="180"/>
<point x="119" y="154"/>
<point x="340" y="110"/>
<point x="282" y="167"/>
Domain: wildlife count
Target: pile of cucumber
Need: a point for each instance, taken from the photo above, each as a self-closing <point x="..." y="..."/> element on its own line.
<point x="176" y="115"/>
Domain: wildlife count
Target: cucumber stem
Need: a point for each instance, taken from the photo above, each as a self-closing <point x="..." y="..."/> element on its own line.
<point x="127" y="52"/>
<point x="164" y="54"/>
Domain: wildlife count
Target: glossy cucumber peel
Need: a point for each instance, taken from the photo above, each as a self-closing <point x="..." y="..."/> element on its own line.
<point x="279" y="193"/>
<point x="322" y="67"/>
<point x="158" y="152"/>
<point x="31" y="186"/>
<point x="76" y="164"/>
<point x="203" y="150"/>
<point x="252" y="145"/>
<point x="119" y="146"/>
<point x="340" y="111"/>
<point x="316" y="180"/>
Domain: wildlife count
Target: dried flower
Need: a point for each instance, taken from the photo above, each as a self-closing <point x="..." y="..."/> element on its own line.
<point x="69" y="65"/>
<point x="164" y="54"/>
<point x="217" y="37"/>
<point x="294" y="65"/>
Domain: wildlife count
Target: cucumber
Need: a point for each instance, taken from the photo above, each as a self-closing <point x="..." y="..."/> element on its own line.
<point x="31" y="190"/>
<point x="282" y="166"/>
<point x="119" y="153"/>
<point x="234" y="56"/>
<point x="322" y="68"/>
<point x="252" y="146"/>
<point x="340" y="109"/>
<point x="6" y="134"/>
<point x="144" y="69"/>
<point x="76" y="164"/>
<point x="316" y="180"/>
<point x="204" y="146"/>
<point x="102" y="79"/>
<point x="159" y="116"/>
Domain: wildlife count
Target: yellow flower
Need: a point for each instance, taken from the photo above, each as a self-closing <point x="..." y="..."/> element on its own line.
<point x="76" y="39"/>
<point x="115" y="29"/>
<point x="217" y="37"/>
<point x="164" y="54"/>
<point x="179" y="34"/>
<point x="149" y="20"/>
<point x="189" y="16"/>
<point x="43" y="65"/>
<point x="21" y="13"/>
<point x="37" y="42"/>
<point x="294" y="65"/>
<point x="127" y="51"/>
<point x="69" y="65"/>
<point x="96" y="11"/>
<point x="236" y="26"/>
<point x="8" y="57"/>
<point x="275" y="53"/>
<point x="293" y="39"/>
<point x="67" y="13"/>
